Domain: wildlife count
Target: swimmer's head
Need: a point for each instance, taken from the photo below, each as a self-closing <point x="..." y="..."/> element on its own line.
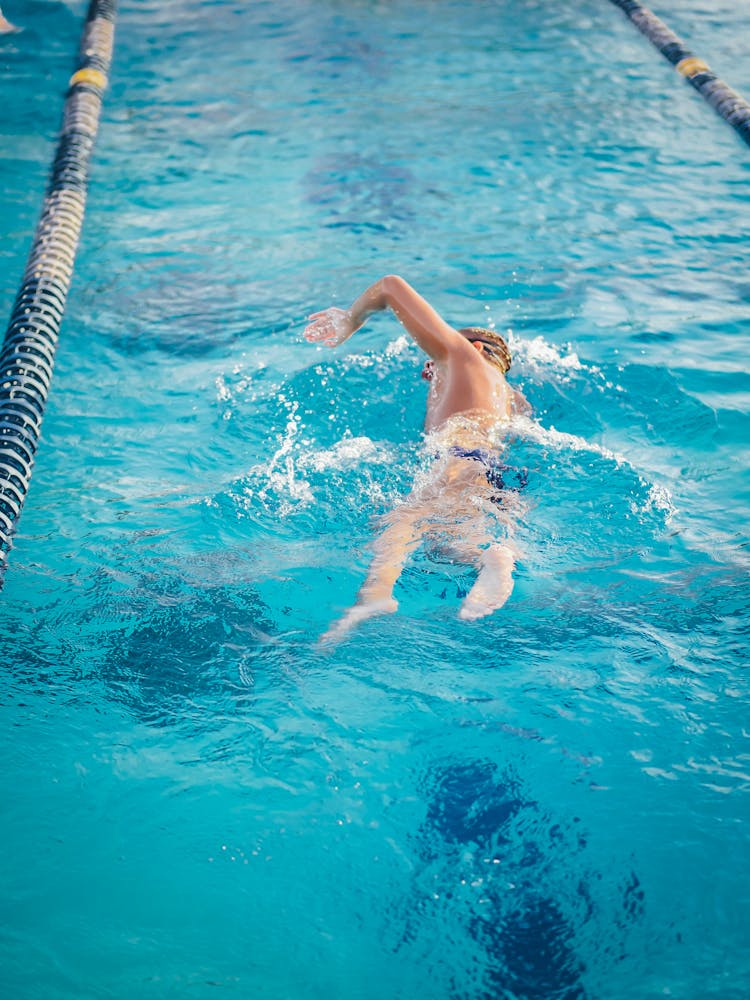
<point x="495" y="347"/>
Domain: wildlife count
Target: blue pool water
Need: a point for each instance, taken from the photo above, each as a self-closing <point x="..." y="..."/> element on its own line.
<point x="553" y="803"/>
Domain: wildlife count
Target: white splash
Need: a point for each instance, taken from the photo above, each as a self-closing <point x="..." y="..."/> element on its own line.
<point x="240" y="387"/>
<point x="280" y="473"/>
<point x="394" y="349"/>
<point x="401" y="345"/>
<point x="346" y="454"/>
<point x="223" y="392"/>
<point x="541" y="359"/>
<point x="549" y="437"/>
<point x="659" y="498"/>
<point x="538" y="352"/>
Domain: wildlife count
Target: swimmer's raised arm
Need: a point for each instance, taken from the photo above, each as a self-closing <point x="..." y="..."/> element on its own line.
<point x="435" y="337"/>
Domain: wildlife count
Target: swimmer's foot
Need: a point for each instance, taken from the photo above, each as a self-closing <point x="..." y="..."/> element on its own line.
<point x="361" y="611"/>
<point x="493" y="585"/>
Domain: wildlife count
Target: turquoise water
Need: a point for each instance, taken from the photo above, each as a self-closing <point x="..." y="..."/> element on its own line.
<point x="549" y="804"/>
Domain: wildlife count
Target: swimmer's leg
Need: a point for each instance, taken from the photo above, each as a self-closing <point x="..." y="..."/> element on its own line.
<point x="494" y="583"/>
<point x="391" y="550"/>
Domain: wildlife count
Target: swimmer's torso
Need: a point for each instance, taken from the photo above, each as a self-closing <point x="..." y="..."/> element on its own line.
<point x="470" y="386"/>
<point x="469" y="408"/>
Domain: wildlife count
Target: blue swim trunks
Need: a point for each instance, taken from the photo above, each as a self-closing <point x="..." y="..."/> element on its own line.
<point x="498" y="474"/>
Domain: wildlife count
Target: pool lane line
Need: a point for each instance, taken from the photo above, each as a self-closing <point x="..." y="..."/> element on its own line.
<point x="28" y="351"/>
<point x="732" y="107"/>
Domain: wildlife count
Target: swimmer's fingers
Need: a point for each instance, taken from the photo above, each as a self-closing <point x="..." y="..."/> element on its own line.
<point x="320" y="331"/>
<point x="315" y="320"/>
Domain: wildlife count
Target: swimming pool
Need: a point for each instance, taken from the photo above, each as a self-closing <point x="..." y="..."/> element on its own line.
<point x="553" y="803"/>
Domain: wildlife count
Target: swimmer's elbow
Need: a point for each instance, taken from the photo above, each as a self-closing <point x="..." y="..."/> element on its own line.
<point x="393" y="287"/>
<point x="393" y="281"/>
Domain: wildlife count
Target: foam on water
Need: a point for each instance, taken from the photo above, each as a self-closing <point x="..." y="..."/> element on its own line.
<point x="347" y="453"/>
<point x="540" y="356"/>
<point x="549" y="437"/>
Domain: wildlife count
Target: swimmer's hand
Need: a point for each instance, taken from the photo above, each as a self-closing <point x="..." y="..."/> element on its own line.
<point x="331" y="327"/>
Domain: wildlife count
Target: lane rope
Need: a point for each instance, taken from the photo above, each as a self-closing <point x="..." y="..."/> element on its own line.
<point x="28" y="351"/>
<point x="732" y="107"/>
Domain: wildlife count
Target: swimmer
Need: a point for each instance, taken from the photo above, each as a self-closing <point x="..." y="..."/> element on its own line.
<point x="470" y="490"/>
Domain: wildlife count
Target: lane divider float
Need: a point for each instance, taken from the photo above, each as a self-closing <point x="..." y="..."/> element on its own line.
<point x="732" y="107"/>
<point x="28" y="351"/>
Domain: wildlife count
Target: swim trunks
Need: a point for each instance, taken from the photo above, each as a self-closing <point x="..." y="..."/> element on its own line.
<point x="494" y="469"/>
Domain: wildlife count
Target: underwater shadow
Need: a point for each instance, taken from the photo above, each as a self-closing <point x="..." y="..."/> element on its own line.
<point x="518" y="887"/>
